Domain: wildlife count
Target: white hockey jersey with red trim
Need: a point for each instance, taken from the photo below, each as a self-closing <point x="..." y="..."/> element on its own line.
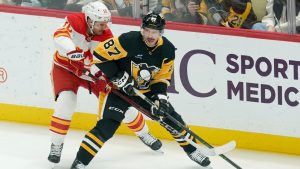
<point x="72" y="35"/>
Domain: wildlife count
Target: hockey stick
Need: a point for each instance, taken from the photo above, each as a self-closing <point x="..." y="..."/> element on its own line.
<point x="211" y="151"/>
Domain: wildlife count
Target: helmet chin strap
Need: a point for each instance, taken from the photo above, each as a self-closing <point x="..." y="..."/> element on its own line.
<point x="91" y="27"/>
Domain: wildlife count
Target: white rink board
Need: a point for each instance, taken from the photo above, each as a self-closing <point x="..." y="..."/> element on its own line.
<point x="26" y="54"/>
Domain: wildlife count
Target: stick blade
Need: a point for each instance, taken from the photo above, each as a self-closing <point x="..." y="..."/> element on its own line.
<point x="218" y="150"/>
<point x="226" y="148"/>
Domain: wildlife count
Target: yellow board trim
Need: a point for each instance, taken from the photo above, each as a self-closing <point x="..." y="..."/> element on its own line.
<point x="214" y="136"/>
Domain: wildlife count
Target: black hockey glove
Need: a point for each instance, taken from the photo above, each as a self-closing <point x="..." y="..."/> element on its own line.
<point x="124" y="82"/>
<point x="162" y="106"/>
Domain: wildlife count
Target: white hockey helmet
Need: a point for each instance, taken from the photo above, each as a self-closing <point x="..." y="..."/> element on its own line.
<point x="96" y="11"/>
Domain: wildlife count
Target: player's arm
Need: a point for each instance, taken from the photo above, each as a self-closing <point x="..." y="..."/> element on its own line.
<point x="158" y="87"/>
<point x="63" y="39"/>
<point x="105" y="55"/>
<point x="67" y="50"/>
<point x="162" y="79"/>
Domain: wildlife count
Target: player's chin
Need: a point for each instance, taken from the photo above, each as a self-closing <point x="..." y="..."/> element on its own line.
<point x="150" y="42"/>
<point x="98" y="32"/>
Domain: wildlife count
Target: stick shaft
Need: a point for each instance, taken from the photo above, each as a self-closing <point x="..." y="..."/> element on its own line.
<point x="187" y="130"/>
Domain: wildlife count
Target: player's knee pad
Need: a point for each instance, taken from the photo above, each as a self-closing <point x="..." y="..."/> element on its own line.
<point x="130" y="115"/>
<point x="106" y="128"/>
<point x="65" y="105"/>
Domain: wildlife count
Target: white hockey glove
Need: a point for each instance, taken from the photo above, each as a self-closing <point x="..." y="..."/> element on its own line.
<point x="124" y="82"/>
<point x="162" y="105"/>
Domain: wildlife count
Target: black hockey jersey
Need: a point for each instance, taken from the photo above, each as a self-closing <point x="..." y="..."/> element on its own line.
<point x="150" y="67"/>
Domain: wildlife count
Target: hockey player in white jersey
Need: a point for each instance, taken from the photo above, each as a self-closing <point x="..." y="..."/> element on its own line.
<point x="74" y="43"/>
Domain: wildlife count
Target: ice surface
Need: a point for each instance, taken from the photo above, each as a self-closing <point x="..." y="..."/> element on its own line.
<point x="27" y="146"/>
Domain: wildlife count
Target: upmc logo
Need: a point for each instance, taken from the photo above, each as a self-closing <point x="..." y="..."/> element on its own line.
<point x="185" y="78"/>
<point x="249" y="78"/>
<point x="3" y="75"/>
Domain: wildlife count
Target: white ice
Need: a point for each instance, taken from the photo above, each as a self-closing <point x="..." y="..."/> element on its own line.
<point x="27" y="146"/>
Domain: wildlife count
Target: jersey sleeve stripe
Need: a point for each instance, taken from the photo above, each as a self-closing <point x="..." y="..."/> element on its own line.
<point x="99" y="57"/>
<point x="62" y="31"/>
<point x="160" y="80"/>
<point x="56" y="35"/>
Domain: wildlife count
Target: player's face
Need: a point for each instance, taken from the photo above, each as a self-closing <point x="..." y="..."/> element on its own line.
<point x="99" y="27"/>
<point x="150" y="36"/>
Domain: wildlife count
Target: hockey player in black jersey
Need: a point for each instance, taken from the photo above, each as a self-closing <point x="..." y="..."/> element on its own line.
<point x="138" y="59"/>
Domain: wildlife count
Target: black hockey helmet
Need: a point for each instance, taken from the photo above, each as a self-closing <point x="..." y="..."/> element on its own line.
<point x="154" y="20"/>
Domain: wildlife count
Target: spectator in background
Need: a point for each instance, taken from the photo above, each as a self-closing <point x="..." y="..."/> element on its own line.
<point x="276" y="17"/>
<point x="240" y="14"/>
<point x="31" y="3"/>
<point x="176" y="10"/>
<point x="56" y="4"/>
<point x="112" y="6"/>
<point x="228" y="13"/>
<point x="73" y="5"/>
<point x="76" y="5"/>
<point x="182" y="11"/>
<point x="125" y="7"/>
<point x="50" y="4"/>
<point x="11" y="2"/>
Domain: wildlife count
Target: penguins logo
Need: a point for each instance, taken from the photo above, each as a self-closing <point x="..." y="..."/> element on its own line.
<point x="153" y="19"/>
<point x="143" y="73"/>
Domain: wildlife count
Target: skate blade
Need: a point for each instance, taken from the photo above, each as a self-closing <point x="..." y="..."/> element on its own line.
<point x="52" y="165"/>
<point x="207" y="167"/>
<point x="159" y="151"/>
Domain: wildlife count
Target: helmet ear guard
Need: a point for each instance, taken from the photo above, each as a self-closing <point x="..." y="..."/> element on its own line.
<point x="154" y="20"/>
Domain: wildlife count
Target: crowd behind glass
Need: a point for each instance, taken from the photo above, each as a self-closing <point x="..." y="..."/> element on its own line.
<point x="278" y="15"/>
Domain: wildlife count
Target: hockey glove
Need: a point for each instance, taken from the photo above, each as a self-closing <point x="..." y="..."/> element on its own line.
<point x="162" y="106"/>
<point x="124" y="82"/>
<point x="76" y="62"/>
<point x="100" y="79"/>
<point x="103" y="84"/>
